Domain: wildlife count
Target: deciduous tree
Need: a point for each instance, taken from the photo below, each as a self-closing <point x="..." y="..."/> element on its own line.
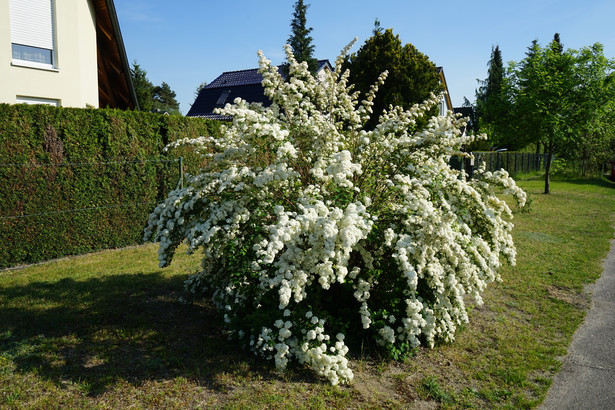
<point x="593" y="117"/>
<point x="563" y="99"/>
<point x="544" y="97"/>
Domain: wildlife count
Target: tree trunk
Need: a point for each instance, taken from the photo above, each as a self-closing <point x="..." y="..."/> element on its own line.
<point x="548" y="167"/>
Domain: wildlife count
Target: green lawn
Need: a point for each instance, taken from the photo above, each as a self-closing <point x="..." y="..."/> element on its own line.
<point x="108" y="329"/>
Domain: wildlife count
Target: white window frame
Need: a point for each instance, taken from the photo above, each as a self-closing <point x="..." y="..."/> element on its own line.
<point x="33" y="27"/>
<point x="22" y="99"/>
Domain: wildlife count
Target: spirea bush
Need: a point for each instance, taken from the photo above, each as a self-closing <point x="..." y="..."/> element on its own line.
<point x="318" y="234"/>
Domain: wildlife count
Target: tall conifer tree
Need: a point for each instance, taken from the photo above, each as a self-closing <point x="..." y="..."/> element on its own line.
<point x="491" y="103"/>
<point x="300" y="39"/>
<point x="143" y="87"/>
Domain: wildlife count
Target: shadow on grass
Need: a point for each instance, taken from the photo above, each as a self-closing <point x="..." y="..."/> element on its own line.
<point x="120" y="327"/>
<point x="598" y="182"/>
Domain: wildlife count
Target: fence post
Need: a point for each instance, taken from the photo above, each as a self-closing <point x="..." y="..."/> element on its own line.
<point x="181" y="172"/>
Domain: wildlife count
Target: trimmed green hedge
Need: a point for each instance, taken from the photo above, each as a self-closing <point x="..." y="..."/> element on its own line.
<point x="75" y="180"/>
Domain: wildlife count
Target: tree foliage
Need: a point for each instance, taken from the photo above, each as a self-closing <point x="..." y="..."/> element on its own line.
<point x="593" y="118"/>
<point x="160" y="98"/>
<point x="412" y="77"/>
<point x="558" y="99"/>
<point x="300" y="40"/>
<point x="164" y="99"/>
<point x="493" y="105"/>
<point x="489" y="94"/>
<point x="563" y="99"/>
<point x="143" y="87"/>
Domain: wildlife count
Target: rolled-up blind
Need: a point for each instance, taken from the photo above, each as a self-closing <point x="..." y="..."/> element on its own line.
<point x="32" y="23"/>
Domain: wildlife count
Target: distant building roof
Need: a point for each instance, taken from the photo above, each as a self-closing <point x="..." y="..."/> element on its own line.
<point x="245" y="84"/>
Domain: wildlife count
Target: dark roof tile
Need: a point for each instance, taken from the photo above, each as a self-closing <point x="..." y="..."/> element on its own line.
<point x="245" y="84"/>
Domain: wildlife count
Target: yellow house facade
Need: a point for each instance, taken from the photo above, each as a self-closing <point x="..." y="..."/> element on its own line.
<point x="66" y="53"/>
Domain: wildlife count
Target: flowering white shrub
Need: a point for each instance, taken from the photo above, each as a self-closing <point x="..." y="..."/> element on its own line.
<point x="317" y="233"/>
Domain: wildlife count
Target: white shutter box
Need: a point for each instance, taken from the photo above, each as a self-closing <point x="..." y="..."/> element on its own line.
<point x="32" y="23"/>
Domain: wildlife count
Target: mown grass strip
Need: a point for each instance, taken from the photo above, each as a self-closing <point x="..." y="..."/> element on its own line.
<point x="108" y="330"/>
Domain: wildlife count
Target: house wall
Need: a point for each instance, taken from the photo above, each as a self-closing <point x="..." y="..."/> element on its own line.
<point x="73" y="82"/>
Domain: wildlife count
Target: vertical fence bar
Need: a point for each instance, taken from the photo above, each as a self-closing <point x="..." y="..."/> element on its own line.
<point x="181" y="172"/>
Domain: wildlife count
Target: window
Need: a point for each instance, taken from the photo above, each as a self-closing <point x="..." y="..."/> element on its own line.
<point x="36" y="100"/>
<point x="223" y="97"/>
<point x="32" y="32"/>
<point x="35" y="54"/>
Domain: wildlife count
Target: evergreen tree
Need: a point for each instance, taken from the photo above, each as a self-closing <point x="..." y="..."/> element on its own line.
<point x="300" y="40"/>
<point x="143" y="87"/>
<point x="164" y="99"/>
<point x="377" y="27"/>
<point x="493" y="106"/>
<point x="469" y="112"/>
<point x="412" y="76"/>
<point x="150" y="97"/>
<point x="489" y="94"/>
<point x="199" y="88"/>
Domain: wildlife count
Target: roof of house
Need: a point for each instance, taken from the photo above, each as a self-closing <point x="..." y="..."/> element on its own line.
<point x="245" y="84"/>
<point x="115" y="88"/>
<point x="447" y="96"/>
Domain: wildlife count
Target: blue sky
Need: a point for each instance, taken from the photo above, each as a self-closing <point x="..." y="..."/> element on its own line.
<point x="186" y="42"/>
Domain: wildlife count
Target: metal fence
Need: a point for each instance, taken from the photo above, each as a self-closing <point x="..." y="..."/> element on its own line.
<point x="513" y="162"/>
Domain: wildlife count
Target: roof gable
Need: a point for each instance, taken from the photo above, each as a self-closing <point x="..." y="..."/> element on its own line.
<point x="447" y="95"/>
<point x="234" y="78"/>
<point x="115" y="88"/>
<point x="245" y="84"/>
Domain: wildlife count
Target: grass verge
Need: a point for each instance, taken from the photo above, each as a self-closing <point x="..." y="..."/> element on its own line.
<point x="107" y="330"/>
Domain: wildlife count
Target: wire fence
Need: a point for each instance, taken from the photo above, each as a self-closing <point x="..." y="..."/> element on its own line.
<point x="52" y="210"/>
<point x="513" y="162"/>
<point x="180" y="180"/>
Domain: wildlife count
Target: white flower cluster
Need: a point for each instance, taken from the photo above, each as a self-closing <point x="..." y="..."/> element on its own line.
<point x="308" y="222"/>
